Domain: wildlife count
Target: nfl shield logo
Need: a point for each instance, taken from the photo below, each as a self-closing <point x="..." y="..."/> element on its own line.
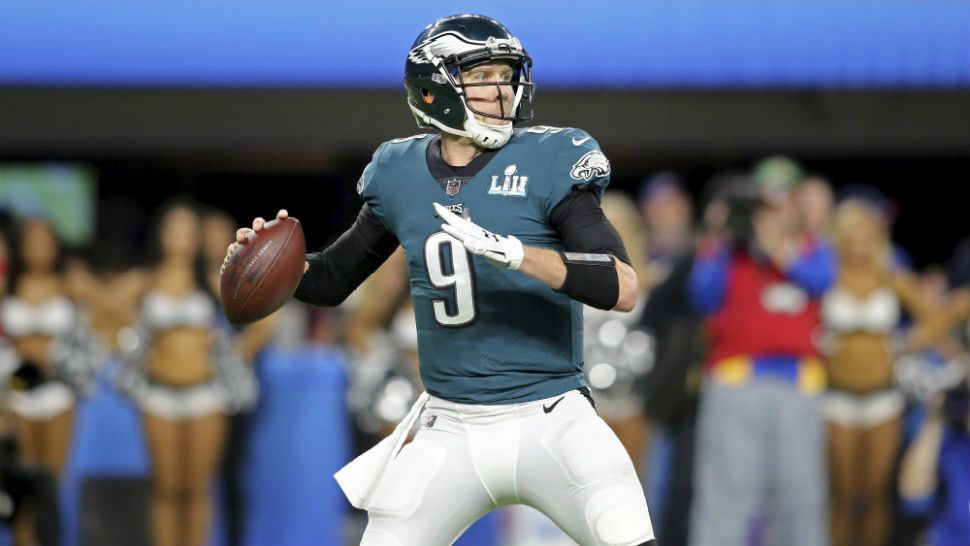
<point x="452" y="187"/>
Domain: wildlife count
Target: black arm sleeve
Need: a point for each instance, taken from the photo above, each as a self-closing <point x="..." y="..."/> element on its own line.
<point x="583" y="227"/>
<point x="338" y="270"/>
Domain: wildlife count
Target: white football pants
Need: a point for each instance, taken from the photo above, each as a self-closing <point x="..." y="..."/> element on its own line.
<point x="555" y="455"/>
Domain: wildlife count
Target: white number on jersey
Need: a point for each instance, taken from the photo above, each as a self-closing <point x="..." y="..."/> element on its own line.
<point x="457" y="275"/>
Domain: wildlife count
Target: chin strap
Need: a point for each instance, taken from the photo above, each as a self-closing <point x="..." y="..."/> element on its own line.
<point x="482" y="134"/>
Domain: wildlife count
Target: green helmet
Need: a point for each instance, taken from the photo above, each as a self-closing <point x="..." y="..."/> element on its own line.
<point x="436" y="88"/>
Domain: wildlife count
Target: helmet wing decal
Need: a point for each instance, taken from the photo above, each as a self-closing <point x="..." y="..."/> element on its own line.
<point x="453" y="44"/>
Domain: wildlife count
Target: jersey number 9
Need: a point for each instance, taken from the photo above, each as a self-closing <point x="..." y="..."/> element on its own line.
<point x="449" y="266"/>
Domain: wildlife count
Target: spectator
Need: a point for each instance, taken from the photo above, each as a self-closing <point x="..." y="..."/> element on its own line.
<point x="185" y="374"/>
<point x="617" y="351"/>
<point x="218" y="231"/>
<point x="935" y="473"/>
<point x="53" y="354"/>
<point x="815" y="200"/>
<point x="670" y="389"/>
<point x="760" y="427"/>
<point x="863" y="408"/>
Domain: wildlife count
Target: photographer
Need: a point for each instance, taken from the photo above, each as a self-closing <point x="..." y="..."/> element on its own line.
<point x="760" y="427"/>
<point x="934" y="479"/>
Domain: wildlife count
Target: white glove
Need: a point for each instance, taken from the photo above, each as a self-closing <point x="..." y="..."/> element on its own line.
<point x="502" y="252"/>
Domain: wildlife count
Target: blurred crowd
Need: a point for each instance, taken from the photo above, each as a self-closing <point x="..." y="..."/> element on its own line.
<point x="788" y="376"/>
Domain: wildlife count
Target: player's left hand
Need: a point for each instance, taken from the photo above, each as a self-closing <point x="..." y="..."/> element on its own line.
<point x="502" y="252"/>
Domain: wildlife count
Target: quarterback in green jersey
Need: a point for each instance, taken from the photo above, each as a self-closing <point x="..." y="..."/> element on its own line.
<point x="505" y="242"/>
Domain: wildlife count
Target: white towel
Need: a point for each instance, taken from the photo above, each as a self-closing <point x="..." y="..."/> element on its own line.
<point x="359" y="478"/>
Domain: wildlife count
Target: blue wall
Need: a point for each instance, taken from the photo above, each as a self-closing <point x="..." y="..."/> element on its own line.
<point x="598" y="44"/>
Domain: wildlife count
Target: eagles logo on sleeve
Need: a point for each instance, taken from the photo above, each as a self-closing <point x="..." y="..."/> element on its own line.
<point x="592" y="165"/>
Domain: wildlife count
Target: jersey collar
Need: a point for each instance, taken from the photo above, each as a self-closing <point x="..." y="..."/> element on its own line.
<point x="441" y="170"/>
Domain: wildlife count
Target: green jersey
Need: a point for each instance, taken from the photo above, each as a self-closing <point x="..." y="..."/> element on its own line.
<point x="488" y="335"/>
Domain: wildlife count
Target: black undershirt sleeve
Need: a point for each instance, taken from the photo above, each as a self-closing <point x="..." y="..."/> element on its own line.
<point x="583" y="227"/>
<point x="338" y="270"/>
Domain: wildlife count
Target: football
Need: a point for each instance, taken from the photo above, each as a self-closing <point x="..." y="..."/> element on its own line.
<point x="263" y="274"/>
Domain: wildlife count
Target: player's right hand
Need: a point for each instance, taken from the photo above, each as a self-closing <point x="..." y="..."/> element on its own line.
<point x="242" y="235"/>
<point x="504" y="252"/>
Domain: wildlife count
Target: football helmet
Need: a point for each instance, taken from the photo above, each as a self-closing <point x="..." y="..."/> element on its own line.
<point x="436" y="88"/>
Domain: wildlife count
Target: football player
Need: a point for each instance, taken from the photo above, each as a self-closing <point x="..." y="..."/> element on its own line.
<point x="505" y="241"/>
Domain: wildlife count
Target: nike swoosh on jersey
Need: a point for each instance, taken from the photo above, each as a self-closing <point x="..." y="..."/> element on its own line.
<point x="579" y="141"/>
<point x="552" y="406"/>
